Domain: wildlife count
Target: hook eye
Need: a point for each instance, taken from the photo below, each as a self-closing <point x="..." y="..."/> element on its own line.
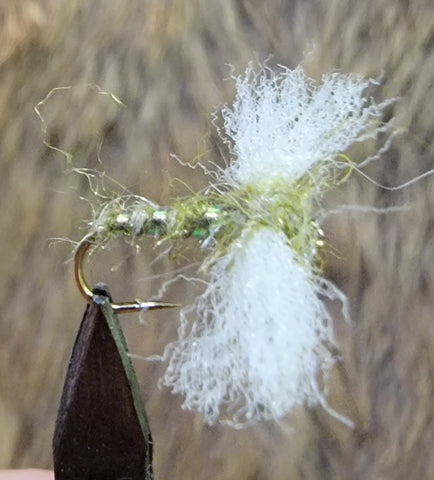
<point x="86" y="292"/>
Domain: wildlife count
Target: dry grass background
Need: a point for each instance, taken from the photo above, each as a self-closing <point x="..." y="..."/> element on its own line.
<point x="167" y="60"/>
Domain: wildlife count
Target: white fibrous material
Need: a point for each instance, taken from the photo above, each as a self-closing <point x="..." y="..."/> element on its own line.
<point x="281" y="124"/>
<point x="259" y="339"/>
<point x="259" y="342"/>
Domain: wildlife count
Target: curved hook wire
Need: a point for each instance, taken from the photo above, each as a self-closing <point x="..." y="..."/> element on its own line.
<point x="86" y="292"/>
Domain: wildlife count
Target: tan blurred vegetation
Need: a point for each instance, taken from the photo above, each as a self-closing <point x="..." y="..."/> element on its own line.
<point x="167" y="61"/>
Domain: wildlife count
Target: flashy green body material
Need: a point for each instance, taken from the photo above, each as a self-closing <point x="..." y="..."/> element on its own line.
<point x="218" y="217"/>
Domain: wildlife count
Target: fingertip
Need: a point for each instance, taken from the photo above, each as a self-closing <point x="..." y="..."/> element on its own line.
<point x="27" y="474"/>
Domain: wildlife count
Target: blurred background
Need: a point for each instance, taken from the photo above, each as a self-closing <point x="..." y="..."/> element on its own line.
<point x="168" y="61"/>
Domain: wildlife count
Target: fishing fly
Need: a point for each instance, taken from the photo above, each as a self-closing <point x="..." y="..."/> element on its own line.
<point x="256" y="343"/>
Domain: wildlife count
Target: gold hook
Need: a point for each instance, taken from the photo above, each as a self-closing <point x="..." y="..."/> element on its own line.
<point x="86" y="292"/>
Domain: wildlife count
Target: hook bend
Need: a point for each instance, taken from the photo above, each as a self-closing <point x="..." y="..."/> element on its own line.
<point x="86" y="291"/>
